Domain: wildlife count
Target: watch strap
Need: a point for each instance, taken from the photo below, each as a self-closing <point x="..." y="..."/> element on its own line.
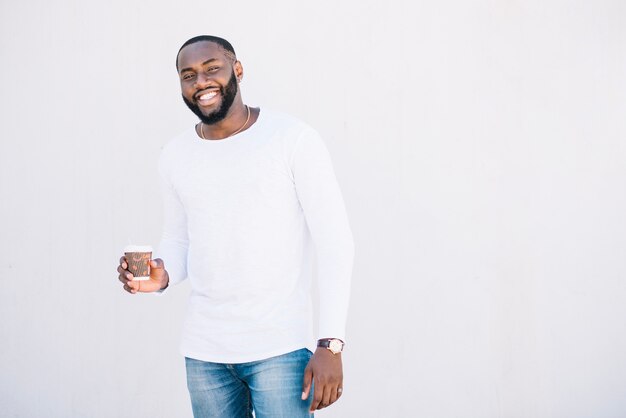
<point x="335" y="345"/>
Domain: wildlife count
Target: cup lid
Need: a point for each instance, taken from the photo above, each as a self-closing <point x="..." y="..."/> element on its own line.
<point x="138" y="249"/>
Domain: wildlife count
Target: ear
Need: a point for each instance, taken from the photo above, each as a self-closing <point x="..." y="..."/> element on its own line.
<point x="238" y="69"/>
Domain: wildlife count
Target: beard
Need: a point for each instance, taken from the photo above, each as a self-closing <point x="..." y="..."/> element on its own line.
<point x="228" y="94"/>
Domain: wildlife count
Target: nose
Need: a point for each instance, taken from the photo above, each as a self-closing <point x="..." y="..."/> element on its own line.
<point x="202" y="80"/>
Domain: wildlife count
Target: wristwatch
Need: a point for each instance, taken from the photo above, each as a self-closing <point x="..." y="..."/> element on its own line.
<point x="335" y="345"/>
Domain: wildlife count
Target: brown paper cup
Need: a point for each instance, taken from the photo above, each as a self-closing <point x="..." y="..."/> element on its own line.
<point x="138" y="260"/>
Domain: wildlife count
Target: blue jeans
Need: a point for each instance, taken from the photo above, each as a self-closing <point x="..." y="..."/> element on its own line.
<point x="271" y="387"/>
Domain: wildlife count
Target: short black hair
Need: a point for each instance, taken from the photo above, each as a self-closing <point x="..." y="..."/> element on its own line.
<point x="223" y="43"/>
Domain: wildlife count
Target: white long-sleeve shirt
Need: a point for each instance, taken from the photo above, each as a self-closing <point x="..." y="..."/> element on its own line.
<point x="244" y="217"/>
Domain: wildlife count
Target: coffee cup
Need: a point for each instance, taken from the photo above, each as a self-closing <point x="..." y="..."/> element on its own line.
<point x="138" y="259"/>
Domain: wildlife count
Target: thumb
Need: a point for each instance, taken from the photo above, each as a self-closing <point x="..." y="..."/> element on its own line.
<point x="158" y="275"/>
<point x="306" y="383"/>
<point x="157" y="263"/>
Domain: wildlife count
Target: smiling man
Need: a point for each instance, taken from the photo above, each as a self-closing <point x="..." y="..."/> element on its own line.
<point x="251" y="204"/>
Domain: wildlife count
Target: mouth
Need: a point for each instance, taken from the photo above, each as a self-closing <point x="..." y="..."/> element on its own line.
<point x="206" y="97"/>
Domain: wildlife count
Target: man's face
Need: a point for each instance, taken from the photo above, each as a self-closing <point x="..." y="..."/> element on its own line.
<point x="208" y="81"/>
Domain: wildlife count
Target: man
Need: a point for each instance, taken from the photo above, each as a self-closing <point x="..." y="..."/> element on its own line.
<point x="250" y="196"/>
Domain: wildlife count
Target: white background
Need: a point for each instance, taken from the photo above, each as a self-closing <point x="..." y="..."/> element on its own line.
<point x="480" y="148"/>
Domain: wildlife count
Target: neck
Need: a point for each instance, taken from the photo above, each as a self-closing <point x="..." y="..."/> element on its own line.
<point x="234" y="122"/>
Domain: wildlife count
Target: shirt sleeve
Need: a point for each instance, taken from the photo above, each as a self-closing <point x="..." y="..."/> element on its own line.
<point x="325" y="214"/>
<point x="174" y="241"/>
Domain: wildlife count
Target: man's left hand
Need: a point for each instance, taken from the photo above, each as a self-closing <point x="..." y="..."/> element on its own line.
<point x="326" y="372"/>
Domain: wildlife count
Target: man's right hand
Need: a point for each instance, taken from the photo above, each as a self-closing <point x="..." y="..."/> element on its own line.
<point x="159" y="279"/>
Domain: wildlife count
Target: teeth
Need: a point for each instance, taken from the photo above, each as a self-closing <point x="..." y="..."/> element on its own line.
<point x="208" y="96"/>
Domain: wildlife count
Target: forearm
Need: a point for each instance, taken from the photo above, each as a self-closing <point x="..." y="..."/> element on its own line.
<point x="174" y="244"/>
<point x="327" y="220"/>
<point x="334" y="281"/>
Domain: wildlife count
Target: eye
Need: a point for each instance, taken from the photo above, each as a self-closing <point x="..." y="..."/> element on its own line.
<point x="187" y="76"/>
<point x="212" y="69"/>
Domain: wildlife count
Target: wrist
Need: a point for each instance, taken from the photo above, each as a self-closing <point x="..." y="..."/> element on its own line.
<point x="334" y="345"/>
<point x="321" y="352"/>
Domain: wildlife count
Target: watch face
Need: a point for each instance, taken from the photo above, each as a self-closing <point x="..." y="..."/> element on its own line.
<point x="335" y="346"/>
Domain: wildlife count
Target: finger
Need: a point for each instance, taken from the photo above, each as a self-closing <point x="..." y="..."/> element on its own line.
<point x="318" y="394"/>
<point x="144" y="286"/>
<point x="128" y="289"/>
<point x="125" y="277"/>
<point x="121" y="269"/>
<point x="157" y="263"/>
<point x="123" y="262"/>
<point x="326" y="396"/>
<point x="158" y="274"/>
<point x="134" y="286"/>
<point x="306" y="383"/>
<point x="339" y="392"/>
<point x="156" y="268"/>
<point x="333" y="395"/>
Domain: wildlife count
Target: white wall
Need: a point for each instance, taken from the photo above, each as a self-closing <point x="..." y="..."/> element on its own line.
<point x="480" y="147"/>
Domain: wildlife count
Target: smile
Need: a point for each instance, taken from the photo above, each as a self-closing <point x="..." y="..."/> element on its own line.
<point x="206" y="98"/>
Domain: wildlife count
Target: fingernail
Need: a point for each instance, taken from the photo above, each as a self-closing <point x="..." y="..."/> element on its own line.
<point x="303" y="396"/>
